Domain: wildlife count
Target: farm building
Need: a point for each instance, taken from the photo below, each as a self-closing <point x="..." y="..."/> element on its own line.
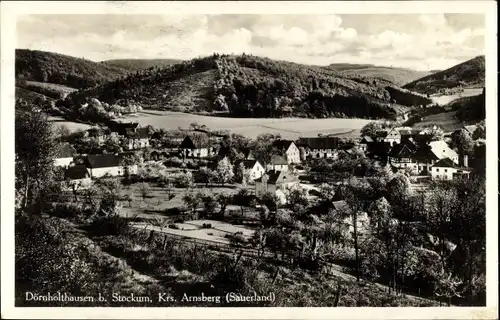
<point x="253" y="168"/>
<point x="196" y="147"/>
<point x="77" y="177"/>
<point x="100" y="134"/>
<point x="276" y="183"/>
<point x="446" y="169"/>
<point x="137" y="138"/>
<point x="289" y="149"/>
<point x="277" y="163"/>
<point x="108" y="164"/>
<point x="364" y="142"/>
<point x="320" y="147"/>
<point x="64" y="155"/>
<point x="393" y="137"/>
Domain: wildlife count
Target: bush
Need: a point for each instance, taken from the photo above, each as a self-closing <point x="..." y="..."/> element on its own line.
<point x="207" y="226"/>
<point x="68" y="210"/>
<point x="173" y="226"/>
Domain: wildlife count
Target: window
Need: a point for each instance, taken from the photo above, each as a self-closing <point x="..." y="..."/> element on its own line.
<point x="445" y="170"/>
<point x="437" y="169"/>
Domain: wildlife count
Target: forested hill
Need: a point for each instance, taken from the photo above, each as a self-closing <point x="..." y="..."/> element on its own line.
<point x="49" y="67"/>
<point x="398" y="76"/>
<point x="139" y="64"/>
<point x="468" y="73"/>
<point x="250" y="86"/>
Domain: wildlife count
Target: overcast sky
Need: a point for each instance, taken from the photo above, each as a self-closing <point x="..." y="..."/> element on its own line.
<point x="422" y="42"/>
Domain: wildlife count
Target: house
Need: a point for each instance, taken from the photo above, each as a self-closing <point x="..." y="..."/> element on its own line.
<point x="196" y="147"/>
<point x="447" y="169"/>
<point x="100" y="134"/>
<point x="441" y="149"/>
<point x="108" y="164"/>
<point x="393" y="137"/>
<point x="470" y="129"/>
<point x="137" y="138"/>
<point x="402" y="156"/>
<point x="121" y="127"/>
<point x="77" y="177"/>
<point x="277" y="163"/>
<point x="248" y="154"/>
<point x="276" y="183"/>
<point x="64" y="155"/>
<point x="364" y="142"/>
<point x="320" y="147"/>
<point x="289" y="149"/>
<point x="252" y="168"/>
<point x="378" y="150"/>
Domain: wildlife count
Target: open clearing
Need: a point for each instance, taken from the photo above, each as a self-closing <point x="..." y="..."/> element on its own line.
<point x="289" y="128"/>
<point x="72" y="126"/>
<point x="445" y="99"/>
<point x="445" y="120"/>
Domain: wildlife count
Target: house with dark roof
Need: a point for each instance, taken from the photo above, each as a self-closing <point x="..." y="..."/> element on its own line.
<point x="121" y="127"/>
<point x="320" y="147"/>
<point x="277" y="163"/>
<point x="137" y="138"/>
<point x="109" y="164"/>
<point x="76" y="177"/>
<point x="196" y="147"/>
<point x="253" y="169"/>
<point x="289" y="149"/>
<point x="447" y="169"/>
<point x="64" y="155"/>
<point x="364" y="142"/>
<point x="276" y="183"/>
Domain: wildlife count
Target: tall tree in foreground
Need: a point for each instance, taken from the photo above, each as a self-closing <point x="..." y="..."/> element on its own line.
<point x="34" y="148"/>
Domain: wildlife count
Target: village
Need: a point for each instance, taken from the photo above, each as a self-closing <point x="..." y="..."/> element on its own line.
<point x="173" y="181"/>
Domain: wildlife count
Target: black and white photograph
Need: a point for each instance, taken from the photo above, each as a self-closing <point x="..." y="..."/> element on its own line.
<point x="260" y="160"/>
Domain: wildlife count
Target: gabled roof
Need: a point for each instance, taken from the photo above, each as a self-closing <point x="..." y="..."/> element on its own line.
<point x="102" y="161"/>
<point x="366" y="139"/>
<point x="137" y="133"/>
<point x="76" y="172"/>
<point x="448" y="163"/>
<point x="277" y="177"/>
<point x="470" y="128"/>
<point x="402" y="150"/>
<point x="121" y="127"/>
<point x="247" y="164"/>
<point x="442" y="150"/>
<point x="392" y="133"/>
<point x="424" y="153"/>
<point x="278" y="160"/>
<point x="65" y="150"/>
<point x="194" y="142"/>
<point x="320" y="142"/>
<point x="418" y="138"/>
<point x="282" y="144"/>
<point x="340" y="205"/>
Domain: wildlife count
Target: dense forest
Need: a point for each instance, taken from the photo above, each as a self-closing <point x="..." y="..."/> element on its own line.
<point x="250" y="86"/>
<point x="468" y="73"/>
<point x="140" y="64"/>
<point x="41" y="66"/>
<point x="398" y="76"/>
<point x="470" y="109"/>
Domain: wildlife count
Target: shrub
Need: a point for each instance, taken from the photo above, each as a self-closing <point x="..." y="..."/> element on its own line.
<point x="207" y="226"/>
<point x="173" y="226"/>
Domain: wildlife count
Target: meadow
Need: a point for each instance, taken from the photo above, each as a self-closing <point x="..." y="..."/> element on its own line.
<point x="445" y="99"/>
<point x="289" y="128"/>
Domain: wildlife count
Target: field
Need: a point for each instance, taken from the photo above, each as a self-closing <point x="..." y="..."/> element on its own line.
<point x="289" y="128"/>
<point x="445" y="99"/>
<point x="72" y="126"/>
<point x="445" y="120"/>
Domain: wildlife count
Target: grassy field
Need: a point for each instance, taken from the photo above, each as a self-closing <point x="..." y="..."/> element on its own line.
<point x="445" y="99"/>
<point x="72" y="126"/>
<point x="289" y="128"/>
<point x="445" y="120"/>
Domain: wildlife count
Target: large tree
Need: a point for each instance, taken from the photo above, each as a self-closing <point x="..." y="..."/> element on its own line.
<point x="35" y="149"/>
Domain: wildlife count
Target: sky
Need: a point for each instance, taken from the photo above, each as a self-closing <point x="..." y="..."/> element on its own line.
<point x="420" y="42"/>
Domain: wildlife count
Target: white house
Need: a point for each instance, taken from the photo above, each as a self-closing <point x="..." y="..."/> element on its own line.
<point x="446" y="169"/>
<point x="253" y="168"/>
<point x="320" y="147"/>
<point x="277" y="163"/>
<point x="393" y="137"/>
<point x="64" y="155"/>
<point x="108" y="164"/>
<point x="289" y="149"/>
<point x="276" y="183"/>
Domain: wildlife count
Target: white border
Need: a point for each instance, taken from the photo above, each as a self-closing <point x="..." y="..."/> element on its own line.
<point x="9" y="11"/>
